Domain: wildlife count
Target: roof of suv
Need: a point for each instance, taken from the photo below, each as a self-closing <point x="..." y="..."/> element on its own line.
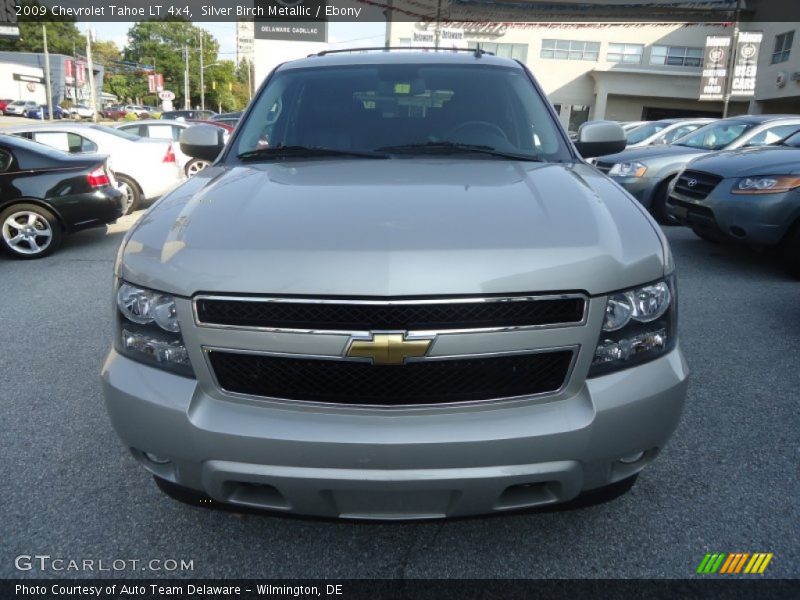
<point x="397" y="57"/>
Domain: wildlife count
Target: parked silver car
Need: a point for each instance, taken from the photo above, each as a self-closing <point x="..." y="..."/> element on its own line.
<point x="647" y="172"/>
<point x="399" y="292"/>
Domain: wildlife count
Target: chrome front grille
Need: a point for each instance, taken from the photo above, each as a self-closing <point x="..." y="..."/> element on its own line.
<point x="390" y="315"/>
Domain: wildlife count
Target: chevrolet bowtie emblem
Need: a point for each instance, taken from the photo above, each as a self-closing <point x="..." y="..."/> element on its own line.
<point x="388" y="348"/>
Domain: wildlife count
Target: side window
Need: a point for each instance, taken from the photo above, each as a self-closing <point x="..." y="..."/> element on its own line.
<point x="678" y="133"/>
<point x="134" y="129"/>
<point x="55" y="139"/>
<point x="772" y="135"/>
<point x="163" y="132"/>
<point x="5" y="160"/>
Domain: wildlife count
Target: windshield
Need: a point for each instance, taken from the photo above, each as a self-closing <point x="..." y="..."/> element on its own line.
<point x="634" y="136"/>
<point x="368" y="108"/>
<point x="716" y="135"/>
<point x="792" y="140"/>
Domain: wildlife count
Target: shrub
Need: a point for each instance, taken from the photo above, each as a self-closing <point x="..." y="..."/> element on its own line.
<point x="131" y="116"/>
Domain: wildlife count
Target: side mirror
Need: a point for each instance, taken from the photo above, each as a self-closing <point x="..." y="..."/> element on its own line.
<point x="598" y="138"/>
<point x="203" y="141"/>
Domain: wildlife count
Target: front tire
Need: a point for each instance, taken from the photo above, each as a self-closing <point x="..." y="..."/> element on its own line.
<point x="28" y="231"/>
<point x="130" y="190"/>
<point x="194" y="166"/>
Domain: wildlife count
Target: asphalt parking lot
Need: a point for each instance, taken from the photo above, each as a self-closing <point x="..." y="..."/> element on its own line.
<point x="728" y="482"/>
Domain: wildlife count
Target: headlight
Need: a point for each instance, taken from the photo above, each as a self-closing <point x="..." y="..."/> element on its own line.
<point x="148" y="329"/>
<point x="639" y="325"/>
<point x="628" y="169"/>
<point x="766" y="184"/>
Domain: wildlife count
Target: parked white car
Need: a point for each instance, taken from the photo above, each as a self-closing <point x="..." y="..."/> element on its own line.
<point x="20" y="107"/>
<point x="168" y="129"/>
<point x="81" y="111"/>
<point x="145" y="169"/>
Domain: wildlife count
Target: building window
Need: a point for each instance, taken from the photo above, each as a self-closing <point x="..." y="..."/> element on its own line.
<point x="578" y="115"/>
<point x="516" y="51"/>
<point x="783" y="47"/>
<point x="570" y="50"/>
<point x="625" y="53"/>
<point x="677" y="56"/>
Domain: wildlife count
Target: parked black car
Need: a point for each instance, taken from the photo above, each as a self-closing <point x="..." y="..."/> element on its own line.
<point x="46" y="193"/>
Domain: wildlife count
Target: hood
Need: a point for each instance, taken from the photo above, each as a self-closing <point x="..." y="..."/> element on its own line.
<point x="396" y="227"/>
<point x="765" y="160"/>
<point x="646" y="152"/>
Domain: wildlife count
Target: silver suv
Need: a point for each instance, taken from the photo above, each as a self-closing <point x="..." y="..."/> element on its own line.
<point x="399" y="292"/>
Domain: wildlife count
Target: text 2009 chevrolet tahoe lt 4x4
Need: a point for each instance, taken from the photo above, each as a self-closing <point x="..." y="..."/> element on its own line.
<point x="399" y="292"/>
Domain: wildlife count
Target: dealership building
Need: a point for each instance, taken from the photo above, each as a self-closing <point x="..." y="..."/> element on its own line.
<point x="22" y="77"/>
<point x="618" y="71"/>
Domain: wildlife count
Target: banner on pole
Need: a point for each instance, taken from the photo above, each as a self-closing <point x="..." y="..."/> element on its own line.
<point x="748" y="45"/>
<point x="714" y="80"/>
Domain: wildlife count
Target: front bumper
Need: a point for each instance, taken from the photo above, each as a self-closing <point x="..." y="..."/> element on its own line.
<point x="640" y="188"/>
<point x="759" y="220"/>
<point x="395" y="464"/>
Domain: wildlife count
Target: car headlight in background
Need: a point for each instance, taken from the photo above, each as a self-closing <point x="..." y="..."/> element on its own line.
<point x="766" y="184"/>
<point x="148" y="329"/>
<point x="639" y="325"/>
<point x="628" y="169"/>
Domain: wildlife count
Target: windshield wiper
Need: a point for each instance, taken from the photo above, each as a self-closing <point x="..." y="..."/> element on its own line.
<point x="304" y="151"/>
<point x="455" y="147"/>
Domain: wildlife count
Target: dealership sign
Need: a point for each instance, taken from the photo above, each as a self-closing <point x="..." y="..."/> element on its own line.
<point x="155" y="82"/>
<point x="744" y="70"/>
<point x="714" y="80"/>
<point x="291" y="20"/>
<point x="9" y="30"/>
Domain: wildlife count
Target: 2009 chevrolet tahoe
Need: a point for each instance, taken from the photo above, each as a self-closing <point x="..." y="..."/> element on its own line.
<point x="398" y="292"/>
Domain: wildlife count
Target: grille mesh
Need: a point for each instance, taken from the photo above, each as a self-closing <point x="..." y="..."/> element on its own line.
<point x="407" y="317"/>
<point x="361" y="383"/>
<point x="704" y="183"/>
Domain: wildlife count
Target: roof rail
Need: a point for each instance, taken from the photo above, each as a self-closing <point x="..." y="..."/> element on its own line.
<point x="478" y="52"/>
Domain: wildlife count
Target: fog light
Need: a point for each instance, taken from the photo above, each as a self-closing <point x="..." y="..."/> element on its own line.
<point x="155" y="458"/>
<point x="632" y="458"/>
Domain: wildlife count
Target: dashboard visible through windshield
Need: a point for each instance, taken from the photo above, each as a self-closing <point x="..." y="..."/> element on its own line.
<point x="403" y="109"/>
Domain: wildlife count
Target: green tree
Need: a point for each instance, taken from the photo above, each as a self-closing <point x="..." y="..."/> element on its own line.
<point x="106" y="53"/>
<point x="163" y="42"/>
<point x="63" y="35"/>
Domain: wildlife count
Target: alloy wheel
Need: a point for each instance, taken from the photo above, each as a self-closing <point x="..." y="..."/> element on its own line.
<point x="27" y="232"/>
<point x="194" y="167"/>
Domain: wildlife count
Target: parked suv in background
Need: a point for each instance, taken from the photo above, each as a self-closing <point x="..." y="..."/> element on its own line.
<point x="750" y="195"/>
<point x="398" y="292"/>
<point x="647" y="172"/>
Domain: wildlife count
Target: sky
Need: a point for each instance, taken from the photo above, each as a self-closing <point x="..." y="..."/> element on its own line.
<point x="339" y="34"/>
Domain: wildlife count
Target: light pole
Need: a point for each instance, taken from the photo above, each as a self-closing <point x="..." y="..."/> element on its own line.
<point x="186" y="104"/>
<point x="202" y="85"/>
